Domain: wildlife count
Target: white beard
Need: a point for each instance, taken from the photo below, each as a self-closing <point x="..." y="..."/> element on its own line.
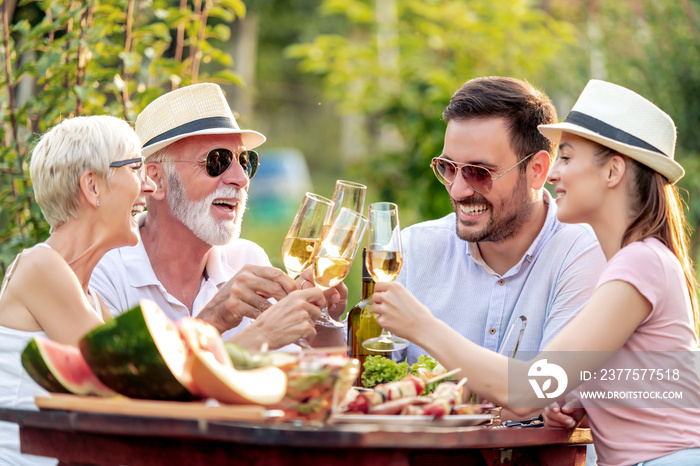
<point x="196" y="215"/>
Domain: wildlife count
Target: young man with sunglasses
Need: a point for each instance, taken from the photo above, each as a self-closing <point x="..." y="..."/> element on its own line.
<point x="502" y="254"/>
<point x="190" y="260"/>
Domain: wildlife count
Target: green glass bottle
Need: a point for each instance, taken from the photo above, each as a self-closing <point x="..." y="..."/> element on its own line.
<point x="361" y="322"/>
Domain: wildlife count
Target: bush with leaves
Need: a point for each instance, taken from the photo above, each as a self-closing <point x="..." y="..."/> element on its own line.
<point x="63" y="58"/>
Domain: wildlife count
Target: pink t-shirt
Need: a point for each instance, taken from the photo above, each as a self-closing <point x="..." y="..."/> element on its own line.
<point x="630" y="435"/>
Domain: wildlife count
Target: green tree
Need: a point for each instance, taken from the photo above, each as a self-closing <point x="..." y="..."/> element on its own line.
<point x="290" y="106"/>
<point x="401" y="61"/>
<point x="63" y="58"/>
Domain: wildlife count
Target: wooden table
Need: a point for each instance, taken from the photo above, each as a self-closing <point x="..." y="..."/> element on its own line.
<point x="77" y="437"/>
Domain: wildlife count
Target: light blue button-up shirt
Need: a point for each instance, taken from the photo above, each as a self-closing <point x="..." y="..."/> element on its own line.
<point x="551" y="283"/>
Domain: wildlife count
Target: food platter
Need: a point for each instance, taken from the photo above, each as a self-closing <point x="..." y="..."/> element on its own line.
<point x="457" y="420"/>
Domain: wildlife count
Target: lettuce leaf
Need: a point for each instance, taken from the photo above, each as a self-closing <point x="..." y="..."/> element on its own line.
<point x="424" y="361"/>
<point x="379" y="369"/>
<point x="424" y="367"/>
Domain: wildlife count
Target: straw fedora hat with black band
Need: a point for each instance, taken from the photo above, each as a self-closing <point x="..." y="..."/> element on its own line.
<point x="624" y="121"/>
<point x="189" y="111"/>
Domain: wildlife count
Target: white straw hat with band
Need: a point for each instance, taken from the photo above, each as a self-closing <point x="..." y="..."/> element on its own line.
<point x="189" y="111"/>
<point x="624" y="121"/>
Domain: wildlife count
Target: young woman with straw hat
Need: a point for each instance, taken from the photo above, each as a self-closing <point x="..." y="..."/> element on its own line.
<point x="634" y="345"/>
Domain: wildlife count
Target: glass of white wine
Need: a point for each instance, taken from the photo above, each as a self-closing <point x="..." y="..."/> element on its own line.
<point x="335" y="255"/>
<point x="384" y="262"/>
<point x="347" y="194"/>
<point x="298" y="249"/>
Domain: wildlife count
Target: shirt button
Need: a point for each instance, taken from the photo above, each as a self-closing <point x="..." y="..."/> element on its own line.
<point x="492" y="330"/>
<point x="501" y="282"/>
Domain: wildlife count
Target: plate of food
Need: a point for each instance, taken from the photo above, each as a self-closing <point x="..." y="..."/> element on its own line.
<point x="406" y="402"/>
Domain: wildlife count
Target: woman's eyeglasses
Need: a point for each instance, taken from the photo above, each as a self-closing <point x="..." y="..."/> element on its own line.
<point x="137" y="160"/>
<point x="219" y="160"/>
<point x="479" y="178"/>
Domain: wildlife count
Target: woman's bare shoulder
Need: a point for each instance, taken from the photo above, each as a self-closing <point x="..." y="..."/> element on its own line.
<point x="48" y="288"/>
<point x="43" y="267"/>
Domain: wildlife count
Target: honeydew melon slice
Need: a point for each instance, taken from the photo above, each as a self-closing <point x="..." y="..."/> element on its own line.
<point x="263" y="386"/>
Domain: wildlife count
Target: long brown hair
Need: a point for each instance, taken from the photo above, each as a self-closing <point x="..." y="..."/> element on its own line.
<point x="658" y="208"/>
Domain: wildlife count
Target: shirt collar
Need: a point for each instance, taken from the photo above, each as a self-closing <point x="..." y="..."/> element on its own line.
<point x="218" y="271"/>
<point x="543" y="236"/>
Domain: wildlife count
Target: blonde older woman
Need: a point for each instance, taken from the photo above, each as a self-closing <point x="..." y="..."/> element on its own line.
<point x="88" y="177"/>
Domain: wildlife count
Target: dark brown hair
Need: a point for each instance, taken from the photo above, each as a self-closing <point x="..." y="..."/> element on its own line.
<point x="658" y="213"/>
<point x="518" y="102"/>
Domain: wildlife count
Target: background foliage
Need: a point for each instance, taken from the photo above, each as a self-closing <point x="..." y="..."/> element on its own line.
<point x="66" y="58"/>
<point x="401" y="73"/>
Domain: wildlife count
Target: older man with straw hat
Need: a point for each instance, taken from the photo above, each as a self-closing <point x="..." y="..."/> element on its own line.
<point x="190" y="259"/>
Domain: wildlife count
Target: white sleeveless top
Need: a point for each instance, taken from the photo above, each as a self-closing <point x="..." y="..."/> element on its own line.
<point x="17" y="389"/>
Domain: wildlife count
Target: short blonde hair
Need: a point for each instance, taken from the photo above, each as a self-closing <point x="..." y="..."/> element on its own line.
<point x="68" y="150"/>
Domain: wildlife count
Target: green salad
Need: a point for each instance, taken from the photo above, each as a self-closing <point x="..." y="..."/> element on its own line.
<point x="379" y="369"/>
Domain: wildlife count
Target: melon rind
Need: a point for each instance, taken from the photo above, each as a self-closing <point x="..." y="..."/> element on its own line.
<point x="35" y="365"/>
<point x="124" y="355"/>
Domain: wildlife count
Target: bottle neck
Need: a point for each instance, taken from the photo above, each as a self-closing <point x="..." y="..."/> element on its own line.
<point x="367" y="288"/>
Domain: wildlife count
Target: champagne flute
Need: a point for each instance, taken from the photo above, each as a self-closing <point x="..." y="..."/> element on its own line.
<point x="347" y="194"/>
<point x="335" y="255"/>
<point x="298" y="249"/>
<point x="384" y="262"/>
<point x="300" y="244"/>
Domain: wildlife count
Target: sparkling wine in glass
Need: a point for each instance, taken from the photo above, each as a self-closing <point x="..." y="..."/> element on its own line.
<point x="347" y="194"/>
<point x="384" y="262"/>
<point x="335" y="254"/>
<point x="299" y="247"/>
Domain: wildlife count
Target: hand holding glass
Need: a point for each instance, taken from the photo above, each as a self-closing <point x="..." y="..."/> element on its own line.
<point x="384" y="262"/>
<point x="304" y="234"/>
<point x="335" y="255"/>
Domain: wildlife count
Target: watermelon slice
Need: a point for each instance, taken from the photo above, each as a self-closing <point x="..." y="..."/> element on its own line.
<point x="140" y="354"/>
<point x="61" y="368"/>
